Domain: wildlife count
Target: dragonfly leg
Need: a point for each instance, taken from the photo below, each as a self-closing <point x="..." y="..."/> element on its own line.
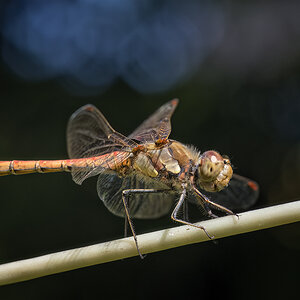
<point x="210" y="214"/>
<point x="185" y="210"/>
<point x="210" y="203"/>
<point x="175" y="212"/>
<point x="125" y="226"/>
<point x="125" y="198"/>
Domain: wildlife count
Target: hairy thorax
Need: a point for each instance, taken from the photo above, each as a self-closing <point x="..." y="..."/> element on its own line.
<point x="169" y="164"/>
<point x="178" y="165"/>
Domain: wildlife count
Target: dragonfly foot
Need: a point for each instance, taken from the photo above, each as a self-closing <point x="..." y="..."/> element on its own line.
<point x="211" y="237"/>
<point x="142" y="256"/>
<point x="238" y="216"/>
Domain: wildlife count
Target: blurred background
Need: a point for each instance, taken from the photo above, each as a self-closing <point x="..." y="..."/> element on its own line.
<point x="235" y="68"/>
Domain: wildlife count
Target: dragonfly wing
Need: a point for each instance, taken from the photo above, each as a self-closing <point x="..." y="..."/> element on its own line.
<point x="98" y="165"/>
<point x="142" y="206"/>
<point x="157" y="126"/>
<point x="88" y="135"/>
<point x="241" y="194"/>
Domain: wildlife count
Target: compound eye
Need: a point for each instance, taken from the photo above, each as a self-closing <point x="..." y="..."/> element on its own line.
<point x="211" y="165"/>
<point x="213" y="156"/>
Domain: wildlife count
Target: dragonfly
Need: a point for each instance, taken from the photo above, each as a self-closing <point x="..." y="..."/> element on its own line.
<point x="145" y="174"/>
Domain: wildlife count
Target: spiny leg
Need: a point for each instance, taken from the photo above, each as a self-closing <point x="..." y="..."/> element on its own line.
<point x="175" y="212"/>
<point x="125" y="195"/>
<point x="210" y="214"/>
<point x="185" y="211"/>
<point x="212" y="204"/>
<point x="125" y="226"/>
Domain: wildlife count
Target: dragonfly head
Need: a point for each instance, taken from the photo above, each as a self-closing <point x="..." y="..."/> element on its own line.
<point x="214" y="171"/>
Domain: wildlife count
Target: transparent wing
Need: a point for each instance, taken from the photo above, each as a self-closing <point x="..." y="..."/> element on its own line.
<point x="89" y="135"/>
<point x="240" y="194"/>
<point x="142" y="206"/>
<point x="157" y="126"/>
<point x="93" y="166"/>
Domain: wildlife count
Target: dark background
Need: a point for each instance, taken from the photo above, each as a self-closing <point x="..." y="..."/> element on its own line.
<point x="235" y="68"/>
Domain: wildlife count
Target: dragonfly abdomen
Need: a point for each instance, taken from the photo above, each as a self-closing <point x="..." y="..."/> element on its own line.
<point x="19" y="167"/>
<point x="112" y="161"/>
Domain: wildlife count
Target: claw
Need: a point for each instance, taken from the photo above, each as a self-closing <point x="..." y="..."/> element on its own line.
<point x="237" y="216"/>
<point x="209" y="236"/>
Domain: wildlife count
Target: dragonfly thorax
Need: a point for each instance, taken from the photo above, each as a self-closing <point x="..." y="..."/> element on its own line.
<point x="214" y="171"/>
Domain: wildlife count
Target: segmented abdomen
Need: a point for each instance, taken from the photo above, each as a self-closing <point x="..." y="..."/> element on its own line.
<point x="110" y="161"/>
